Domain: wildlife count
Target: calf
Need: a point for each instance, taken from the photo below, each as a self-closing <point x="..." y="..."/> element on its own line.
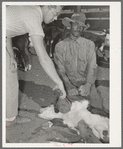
<point x="104" y="48"/>
<point x="20" y="47"/>
<point x="78" y="112"/>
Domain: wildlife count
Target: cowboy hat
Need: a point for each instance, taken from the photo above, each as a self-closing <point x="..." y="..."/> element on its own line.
<point x="76" y="17"/>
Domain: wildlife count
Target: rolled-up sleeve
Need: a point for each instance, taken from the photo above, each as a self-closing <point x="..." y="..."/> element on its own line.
<point x="91" y="66"/>
<point x="33" y="26"/>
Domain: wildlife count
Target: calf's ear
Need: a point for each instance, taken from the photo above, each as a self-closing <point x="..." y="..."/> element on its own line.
<point x="56" y="110"/>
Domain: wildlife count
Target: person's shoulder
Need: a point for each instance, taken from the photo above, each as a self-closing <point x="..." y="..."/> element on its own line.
<point x="87" y="41"/>
<point x="60" y="43"/>
<point x="60" y="46"/>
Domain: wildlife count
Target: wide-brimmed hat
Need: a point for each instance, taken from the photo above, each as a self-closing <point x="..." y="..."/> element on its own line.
<point x="76" y="17"/>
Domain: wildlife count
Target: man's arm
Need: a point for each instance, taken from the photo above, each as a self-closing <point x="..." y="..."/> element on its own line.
<point x="46" y="62"/>
<point x="91" y="71"/>
<point x="60" y="66"/>
<point x="91" y="66"/>
<point x="10" y="51"/>
<point x="9" y="47"/>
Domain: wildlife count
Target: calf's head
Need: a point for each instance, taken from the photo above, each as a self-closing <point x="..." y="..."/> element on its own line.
<point x="49" y="113"/>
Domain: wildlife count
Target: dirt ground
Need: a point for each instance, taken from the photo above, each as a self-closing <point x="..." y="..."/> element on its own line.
<point x="36" y="92"/>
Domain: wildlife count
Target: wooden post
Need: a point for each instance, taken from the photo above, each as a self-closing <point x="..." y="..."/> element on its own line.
<point x="78" y="10"/>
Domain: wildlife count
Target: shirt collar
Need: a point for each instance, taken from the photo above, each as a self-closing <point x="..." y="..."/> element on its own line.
<point x="78" y="40"/>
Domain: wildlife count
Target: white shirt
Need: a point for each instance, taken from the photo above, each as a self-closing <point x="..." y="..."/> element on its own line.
<point x="24" y="19"/>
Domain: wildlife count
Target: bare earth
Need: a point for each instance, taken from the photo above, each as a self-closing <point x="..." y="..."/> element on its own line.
<point x="35" y="92"/>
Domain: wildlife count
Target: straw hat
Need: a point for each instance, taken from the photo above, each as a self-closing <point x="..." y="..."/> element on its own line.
<point x="76" y="17"/>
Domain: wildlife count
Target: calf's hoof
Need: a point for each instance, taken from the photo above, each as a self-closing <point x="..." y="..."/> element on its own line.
<point x="28" y="67"/>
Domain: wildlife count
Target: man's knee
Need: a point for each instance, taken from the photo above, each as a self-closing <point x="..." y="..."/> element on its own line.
<point x="95" y="98"/>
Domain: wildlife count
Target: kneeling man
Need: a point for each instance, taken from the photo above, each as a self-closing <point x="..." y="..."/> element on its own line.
<point x="75" y="60"/>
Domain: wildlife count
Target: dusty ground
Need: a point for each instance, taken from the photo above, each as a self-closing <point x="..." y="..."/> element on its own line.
<point x="36" y="91"/>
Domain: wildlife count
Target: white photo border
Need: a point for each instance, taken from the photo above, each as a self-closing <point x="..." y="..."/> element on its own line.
<point x="115" y="75"/>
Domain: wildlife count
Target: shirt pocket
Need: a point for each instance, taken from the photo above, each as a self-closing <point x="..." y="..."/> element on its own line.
<point x="70" y="64"/>
<point x="82" y="65"/>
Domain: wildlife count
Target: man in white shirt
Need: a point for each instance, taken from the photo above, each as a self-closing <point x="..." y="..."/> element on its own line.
<point x="21" y="20"/>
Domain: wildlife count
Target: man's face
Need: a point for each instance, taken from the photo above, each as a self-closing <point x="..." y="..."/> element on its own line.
<point x="50" y="14"/>
<point x="76" y="29"/>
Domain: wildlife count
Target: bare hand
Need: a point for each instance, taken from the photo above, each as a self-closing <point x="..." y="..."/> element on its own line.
<point x="85" y="89"/>
<point x="13" y="64"/>
<point x="62" y="90"/>
<point x="73" y="92"/>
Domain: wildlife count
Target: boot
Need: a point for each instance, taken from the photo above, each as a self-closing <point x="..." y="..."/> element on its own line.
<point x="18" y="120"/>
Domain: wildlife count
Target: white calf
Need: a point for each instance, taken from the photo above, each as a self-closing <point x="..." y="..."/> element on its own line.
<point x="78" y="112"/>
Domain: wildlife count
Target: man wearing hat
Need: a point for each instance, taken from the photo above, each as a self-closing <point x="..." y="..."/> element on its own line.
<point x="75" y="60"/>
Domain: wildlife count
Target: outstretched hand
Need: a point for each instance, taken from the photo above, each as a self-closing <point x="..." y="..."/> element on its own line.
<point x="61" y="90"/>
